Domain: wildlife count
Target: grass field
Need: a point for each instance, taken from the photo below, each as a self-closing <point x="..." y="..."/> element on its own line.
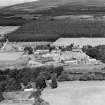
<point x="12" y="60"/>
<point x="10" y="56"/>
<point x="77" y="93"/>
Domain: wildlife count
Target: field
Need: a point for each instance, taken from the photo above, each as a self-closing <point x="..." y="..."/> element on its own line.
<point x="8" y="29"/>
<point x="49" y="20"/>
<point x="79" y="41"/>
<point x="77" y="93"/>
<point x="72" y="93"/>
<point x="10" y="56"/>
<point x="84" y="68"/>
<point x="50" y="30"/>
<point x="11" y="60"/>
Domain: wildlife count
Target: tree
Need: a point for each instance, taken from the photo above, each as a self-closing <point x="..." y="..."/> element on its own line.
<point x="1" y="96"/>
<point x="28" y="50"/>
<point x="54" y="81"/>
<point x="3" y="86"/>
<point x="97" y="52"/>
<point x="40" y="82"/>
<point x="37" y="98"/>
<point x="58" y="70"/>
<point x="25" y="76"/>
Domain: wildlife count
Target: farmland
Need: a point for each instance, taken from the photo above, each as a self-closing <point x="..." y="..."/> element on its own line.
<point x="50" y="30"/>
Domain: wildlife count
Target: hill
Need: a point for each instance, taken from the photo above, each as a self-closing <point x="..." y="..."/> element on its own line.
<point x="20" y="14"/>
<point x="37" y="19"/>
<point x="41" y="5"/>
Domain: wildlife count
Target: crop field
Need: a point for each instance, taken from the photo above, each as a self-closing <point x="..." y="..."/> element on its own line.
<point x="51" y="30"/>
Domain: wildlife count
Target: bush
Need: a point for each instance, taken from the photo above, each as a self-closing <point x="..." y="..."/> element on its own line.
<point x="1" y="96"/>
<point x="54" y="83"/>
<point x="97" y="52"/>
<point x="25" y="75"/>
<point x="99" y="76"/>
<point x="58" y="70"/>
<point x="3" y="86"/>
<point x="46" y="75"/>
<point x="13" y="85"/>
<point x="84" y="77"/>
<point x="64" y="77"/>
<point x="28" y="50"/>
<point x="13" y="78"/>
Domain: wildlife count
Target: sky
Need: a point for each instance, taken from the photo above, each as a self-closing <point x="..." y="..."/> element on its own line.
<point x="11" y="2"/>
